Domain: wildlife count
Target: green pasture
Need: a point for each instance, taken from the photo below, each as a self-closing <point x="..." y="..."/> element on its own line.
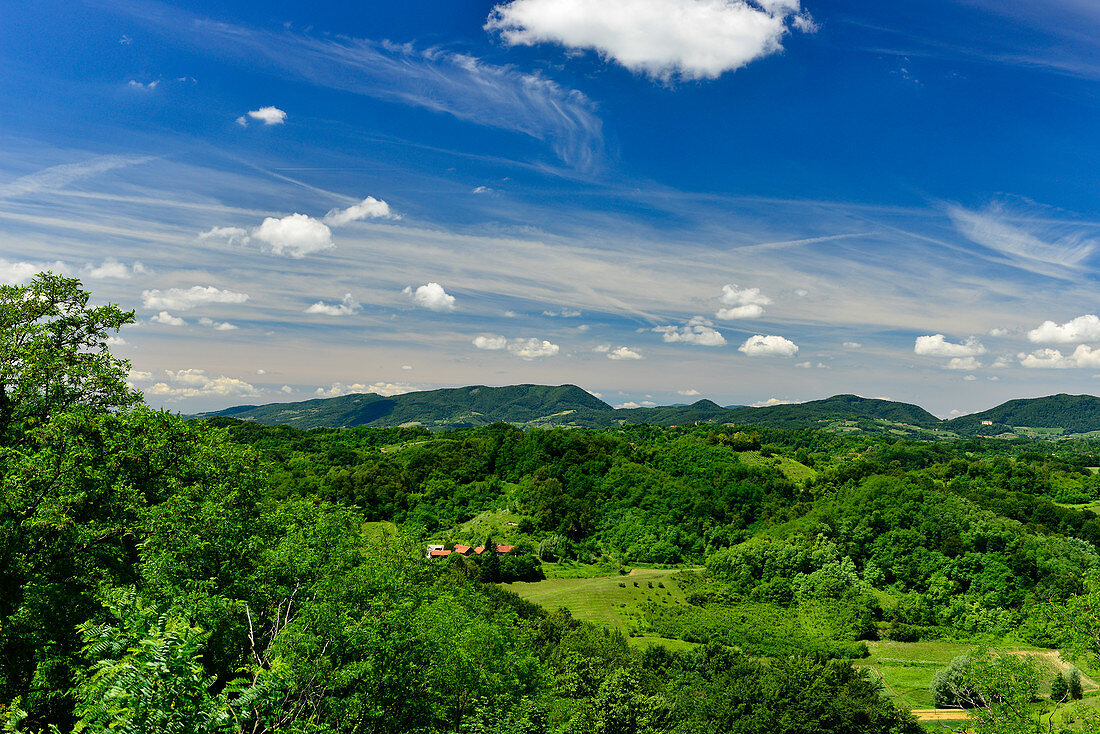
<point x="613" y="601"/>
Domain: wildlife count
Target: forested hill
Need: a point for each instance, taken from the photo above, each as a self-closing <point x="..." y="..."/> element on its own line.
<point x="564" y="405"/>
<point x="571" y="406"/>
<point x="1071" y="413"/>
<point x="447" y="408"/>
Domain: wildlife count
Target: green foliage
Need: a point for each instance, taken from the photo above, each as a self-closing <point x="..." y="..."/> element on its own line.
<point x="145" y="674"/>
<point x="53" y="353"/>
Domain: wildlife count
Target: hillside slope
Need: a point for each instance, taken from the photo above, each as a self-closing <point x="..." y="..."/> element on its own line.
<point x="1071" y="413"/>
<point x="451" y="407"/>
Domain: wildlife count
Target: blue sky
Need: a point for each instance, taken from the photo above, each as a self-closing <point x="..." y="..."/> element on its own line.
<point x="658" y="200"/>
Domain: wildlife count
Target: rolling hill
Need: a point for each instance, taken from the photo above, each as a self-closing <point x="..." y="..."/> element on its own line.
<point x="1071" y="413"/>
<point x="569" y="405"/>
<point x="477" y="405"/>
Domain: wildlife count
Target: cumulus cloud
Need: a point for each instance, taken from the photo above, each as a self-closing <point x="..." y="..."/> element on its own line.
<point x="663" y="39"/>
<point x="385" y="389"/>
<point x="196" y="383"/>
<point x="368" y="208"/>
<point x="296" y="235"/>
<point x="964" y="363"/>
<point x="111" y="269"/>
<point x="697" y="331"/>
<point x="623" y="353"/>
<point x="997" y="331"/>
<point x="1081" y="329"/>
<point x="741" y="303"/>
<point x="532" y="348"/>
<point x="768" y="346"/>
<point x="346" y="307"/>
<point x="232" y="235"/>
<point x="563" y="313"/>
<point x="167" y="319"/>
<point x="181" y="299"/>
<point x="492" y="342"/>
<point x="852" y="345"/>
<point x="691" y="392"/>
<point x="18" y="273"/>
<point x="773" y="401"/>
<point x="267" y="115"/>
<point x="936" y="345"/>
<point x="524" y="348"/>
<point x="1082" y="356"/>
<point x="219" y="326"/>
<point x="431" y="296"/>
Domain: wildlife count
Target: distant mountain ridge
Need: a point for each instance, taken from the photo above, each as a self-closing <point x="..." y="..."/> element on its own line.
<point x="569" y="405"/>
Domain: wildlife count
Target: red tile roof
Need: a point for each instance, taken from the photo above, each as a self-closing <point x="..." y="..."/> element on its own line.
<point x="440" y="553"/>
<point x="462" y="549"/>
<point x="505" y="548"/>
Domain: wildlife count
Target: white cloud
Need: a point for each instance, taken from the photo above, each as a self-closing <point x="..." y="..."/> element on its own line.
<point x="1081" y="329"/>
<point x="167" y="319"/>
<point x="741" y="303"/>
<point x="112" y="269"/>
<point x="242" y="121"/>
<point x="936" y="345"/>
<point x="268" y="115"/>
<point x="492" y="342"/>
<point x="768" y="346"/>
<point x="368" y="208"/>
<point x="294" y="236"/>
<point x="1083" y="356"/>
<point x="804" y="365"/>
<point x="852" y="345"/>
<point x="997" y="331"/>
<point x="17" y="273"/>
<point x="627" y="405"/>
<point x="532" y="348"/>
<point x="385" y="389"/>
<point x="431" y="296"/>
<point x="688" y="393"/>
<point x="663" y="39"/>
<point x="751" y="311"/>
<point x="232" y="235"/>
<point x="564" y="313"/>
<point x="406" y="366"/>
<point x="287" y="389"/>
<point x="116" y="341"/>
<point x="58" y="177"/>
<point x="697" y="331"/>
<point x="196" y="383"/>
<point x="218" y="326"/>
<point x="134" y="84"/>
<point x="346" y="307"/>
<point x="773" y="401"/>
<point x="623" y="353"/>
<point x="181" y="299"/>
<point x="964" y="363"/>
<point x="970" y="378"/>
<point x="482" y="190"/>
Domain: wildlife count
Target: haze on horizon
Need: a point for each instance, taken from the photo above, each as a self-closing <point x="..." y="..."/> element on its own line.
<point x="657" y="200"/>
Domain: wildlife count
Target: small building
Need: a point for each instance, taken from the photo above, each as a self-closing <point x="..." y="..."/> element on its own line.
<point x="463" y="550"/>
<point x="439" y="553"/>
<point x="987" y="423"/>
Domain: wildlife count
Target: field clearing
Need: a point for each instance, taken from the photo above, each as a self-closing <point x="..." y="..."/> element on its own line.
<point x="793" y="470"/>
<point x="906" y="668"/>
<point x="613" y="601"/>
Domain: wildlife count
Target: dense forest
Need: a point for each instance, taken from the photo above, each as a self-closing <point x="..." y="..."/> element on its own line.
<point x="162" y="574"/>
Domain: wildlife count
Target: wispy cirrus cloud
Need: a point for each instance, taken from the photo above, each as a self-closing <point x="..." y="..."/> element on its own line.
<point x="1029" y="242"/>
<point x="447" y="82"/>
<point x="56" y="177"/>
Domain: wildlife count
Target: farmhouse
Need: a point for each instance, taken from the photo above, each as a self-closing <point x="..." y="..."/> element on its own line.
<point x="441" y="551"/>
